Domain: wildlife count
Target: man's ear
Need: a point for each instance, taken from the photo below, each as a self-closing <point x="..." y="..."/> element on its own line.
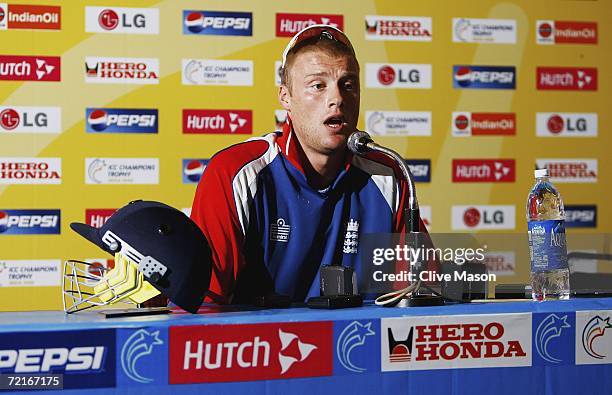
<point x="284" y="97"/>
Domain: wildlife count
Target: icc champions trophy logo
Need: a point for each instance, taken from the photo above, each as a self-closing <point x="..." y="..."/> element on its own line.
<point x="595" y="328"/>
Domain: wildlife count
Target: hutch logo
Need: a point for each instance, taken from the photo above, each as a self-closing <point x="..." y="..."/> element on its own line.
<point x="97" y="217"/>
<point x="30" y="16"/>
<point x="398" y="28"/>
<point x="217" y="121"/>
<point x="289" y="24"/>
<point x="459" y="341"/>
<point x="483" y="170"/>
<point x="483" y="217"/>
<point x="222" y="353"/>
<point x="567" y="78"/>
<point x="30" y="68"/>
<point x="563" y="32"/>
<point x="30" y="171"/>
<point x="483" y="124"/>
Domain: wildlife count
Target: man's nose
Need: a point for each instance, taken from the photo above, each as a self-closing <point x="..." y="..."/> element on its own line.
<point x="334" y="96"/>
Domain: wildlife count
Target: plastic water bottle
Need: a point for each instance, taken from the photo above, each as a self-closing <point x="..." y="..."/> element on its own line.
<point x="547" y="245"/>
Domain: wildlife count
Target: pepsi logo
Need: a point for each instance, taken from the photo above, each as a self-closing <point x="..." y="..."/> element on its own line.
<point x="193" y="170"/>
<point x="471" y="217"/>
<point x="3" y="221"/>
<point x="195" y="22"/>
<point x="545" y="30"/>
<point x="462" y="122"/>
<point x="9" y="119"/>
<point x="462" y="76"/>
<point x="386" y="75"/>
<point x="2" y="14"/>
<point x="555" y="124"/>
<point x="98" y="120"/>
<point x="108" y="19"/>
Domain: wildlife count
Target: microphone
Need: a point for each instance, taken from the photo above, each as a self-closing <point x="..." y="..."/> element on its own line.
<point x="360" y="143"/>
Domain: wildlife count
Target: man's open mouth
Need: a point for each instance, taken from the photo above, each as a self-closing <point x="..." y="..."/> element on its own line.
<point x="335" y="122"/>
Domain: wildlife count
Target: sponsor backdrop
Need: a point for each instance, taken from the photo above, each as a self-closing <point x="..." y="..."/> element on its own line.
<point x="100" y="105"/>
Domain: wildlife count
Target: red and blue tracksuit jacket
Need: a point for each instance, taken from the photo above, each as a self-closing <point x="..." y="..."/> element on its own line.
<point x="270" y="231"/>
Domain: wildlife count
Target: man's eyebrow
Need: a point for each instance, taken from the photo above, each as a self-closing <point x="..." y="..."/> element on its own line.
<point x="320" y="74"/>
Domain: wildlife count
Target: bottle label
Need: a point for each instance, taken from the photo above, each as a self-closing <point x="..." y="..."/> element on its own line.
<point x="547" y="245"/>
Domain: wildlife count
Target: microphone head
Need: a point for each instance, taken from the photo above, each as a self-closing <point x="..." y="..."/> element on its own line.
<point x="357" y="142"/>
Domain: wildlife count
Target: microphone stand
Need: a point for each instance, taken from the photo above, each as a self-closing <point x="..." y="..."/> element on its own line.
<point x="360" y="143"/>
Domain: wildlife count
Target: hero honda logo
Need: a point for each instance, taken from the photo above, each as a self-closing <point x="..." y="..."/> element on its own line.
<point x="483" y="170"/>
<point x="484" y="77"/>
<point x="30" y="222"/>
<point x="30" y="119"/>
<point x="483" y="124"/>
<point x="140" y="344"/>
<point x="566" y="78"/>
<point x="30" y="171"/>
<point x="570" y="170"/>
<point x="30" y="68"/>
<point x="121" y="120"/>
<point x="420" y="343"/>
<point x="398" y="28"/>
<point x="121" y="70"/>
<point x="30" y="16"/>
<point x="217" y="121"/>
<point x="193" y="169"/>
<point x="486" y="217"/>
<point x="287" y="25"/>
<point x="566" y="124"/>
<point x="122" y="20"/>
<point x="381" y="75"/>
<point x="215" y="353"/>
<point x="218" y="23"/>
<point x="565" y="32"/>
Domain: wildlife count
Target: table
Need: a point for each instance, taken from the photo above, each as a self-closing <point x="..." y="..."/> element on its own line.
<point x="561" y="347"/>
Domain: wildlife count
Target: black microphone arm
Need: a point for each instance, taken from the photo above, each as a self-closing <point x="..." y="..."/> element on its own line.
<point x="360" y="143"/>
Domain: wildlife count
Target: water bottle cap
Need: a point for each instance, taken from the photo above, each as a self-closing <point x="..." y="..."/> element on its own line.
<point x="539" y="173"/>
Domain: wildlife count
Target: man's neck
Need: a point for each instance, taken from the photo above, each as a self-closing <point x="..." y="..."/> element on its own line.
<point x="321" y="170"/>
